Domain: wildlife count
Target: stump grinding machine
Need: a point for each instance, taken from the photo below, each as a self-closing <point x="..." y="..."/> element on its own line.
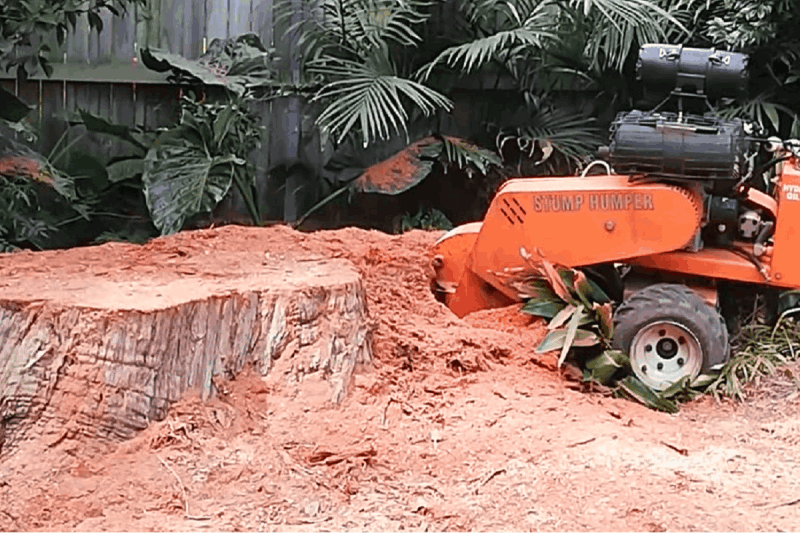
<point x="687" y="204"/>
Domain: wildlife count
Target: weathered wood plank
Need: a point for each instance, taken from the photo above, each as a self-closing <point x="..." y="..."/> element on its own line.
<point x="100" y="43"/>
<point x="239" y="17"/>
<point x="123" y="36"/>
<point x="77" y="45"/>
<point x="216" y="19"/>
<point x="263" y="21"/>
<point x="171" y="29"/>
<point x="154" y="34"/>
<point x="28" y="92"/>
<point x="193" y="27"/>
<point x="102" y="95"/>
<point x="53" y="114"/>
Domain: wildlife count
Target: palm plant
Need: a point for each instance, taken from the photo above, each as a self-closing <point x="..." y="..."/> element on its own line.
<point x="386" y="71"/>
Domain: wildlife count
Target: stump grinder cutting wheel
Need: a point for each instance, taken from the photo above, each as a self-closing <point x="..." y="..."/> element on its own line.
<point x="689" y="204"/>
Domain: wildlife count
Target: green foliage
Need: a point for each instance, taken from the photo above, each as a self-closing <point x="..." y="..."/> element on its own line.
<point x="192" y="166"/>
<point x="769" y="31"/>
<point x="759" y="351"/>
<point x="239" y="64"/>
<point x="570" y="133"/>
<point x="579" y="315"/>
<point x="25" y="25"/>
<point x="350" y="47"/>
<point x="370" y="93"/>
<point x="578" y="310"/>
<point x="426" y="219"/>
<point x="464" y="155"/>
<point x="12" y="109"/>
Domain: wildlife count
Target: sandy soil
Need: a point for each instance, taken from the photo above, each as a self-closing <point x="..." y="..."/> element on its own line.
<point x="460" y="426"/>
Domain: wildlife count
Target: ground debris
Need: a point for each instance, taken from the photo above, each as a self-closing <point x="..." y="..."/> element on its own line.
<point x="419" y="443"/>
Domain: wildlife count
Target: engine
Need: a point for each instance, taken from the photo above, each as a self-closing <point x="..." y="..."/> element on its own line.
<point x="685" y="145"/>
<point x="682" y="148"/>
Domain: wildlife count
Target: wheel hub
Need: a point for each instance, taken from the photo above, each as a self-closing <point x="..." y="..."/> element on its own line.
<point x="665" y="352"/>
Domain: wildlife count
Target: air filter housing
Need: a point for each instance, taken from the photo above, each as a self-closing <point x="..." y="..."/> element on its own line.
<point x="673" y="147"/>
<point x="667" y="69"/>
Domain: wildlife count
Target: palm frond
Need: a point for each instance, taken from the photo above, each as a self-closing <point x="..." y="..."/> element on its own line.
<point x="349" y="28"/>
<point x="571" y="133"/>
<point x="371" y="96"/>
<point x="463" y="154"/>
<point x="618" y="25"/>
<point x="516" y="29"/>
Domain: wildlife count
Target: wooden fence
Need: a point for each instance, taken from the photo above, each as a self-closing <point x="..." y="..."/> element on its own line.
<point x="102" y="73"/>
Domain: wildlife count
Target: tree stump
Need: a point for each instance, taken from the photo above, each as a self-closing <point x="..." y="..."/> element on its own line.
<point x="101" y="357"/>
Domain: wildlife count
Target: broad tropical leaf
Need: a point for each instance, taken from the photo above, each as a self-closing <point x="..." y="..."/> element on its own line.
<point x="572" y="330"/>
<point x="125" y="169"/>
<point x="181" y="181"/>
<point x="236" y="64"/>
<point x="97" y="124"/>
<point x="12" y="108"/>
<point x="555" y="340"/>
<point x="547" y="309"/>
<point x="640" y="392"/>
<point x="605" y="366"/>
<point x="400" y="172"/>
<point x="605" y="319"/>
<point x="19" y="161"/>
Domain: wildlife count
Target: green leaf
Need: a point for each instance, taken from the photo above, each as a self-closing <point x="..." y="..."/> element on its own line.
<point x="561" y="318"/>
<point x="572" y="134"/>
<point x="638" y="391"/>
<point x="465" y="154"/>
<point x="540" y="290"/>
<point x="555" y="340"/>
<point x="602" y="368"/>
<point x="12" y="108"/>
<point x="370" y="95"/>
<point x="398" y="173"/>
<point x="182" y="181"/>
<point x="542" y="307"/>
<point x="125" y="169"/>
<point x="237" y="64"/>
<point x="704" y="380"/>
<point x="772" y="114"/>
<point x="95" y="21"/>
<point x="97" y="124"/>
<point x="572" y="330"/>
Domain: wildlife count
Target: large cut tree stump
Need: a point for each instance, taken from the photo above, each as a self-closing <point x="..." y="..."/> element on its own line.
<point x="103" y="353"/>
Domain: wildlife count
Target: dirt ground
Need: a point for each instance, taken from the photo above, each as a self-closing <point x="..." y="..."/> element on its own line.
<point x="460" y="426"/>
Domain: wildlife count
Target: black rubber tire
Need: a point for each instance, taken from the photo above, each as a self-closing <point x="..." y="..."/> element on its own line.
<point x="676" y="303"/>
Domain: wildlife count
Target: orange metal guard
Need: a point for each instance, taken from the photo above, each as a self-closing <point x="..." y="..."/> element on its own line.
<point x="573" y="221"/>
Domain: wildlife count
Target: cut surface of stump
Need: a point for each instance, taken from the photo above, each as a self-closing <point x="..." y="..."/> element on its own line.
<point x="103" y="352"/>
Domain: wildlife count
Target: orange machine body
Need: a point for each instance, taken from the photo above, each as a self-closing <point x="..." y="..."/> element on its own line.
<point x="581" y="221"/>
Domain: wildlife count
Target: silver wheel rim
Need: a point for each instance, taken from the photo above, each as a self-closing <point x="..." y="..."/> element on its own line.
<point x="663" y="353"/>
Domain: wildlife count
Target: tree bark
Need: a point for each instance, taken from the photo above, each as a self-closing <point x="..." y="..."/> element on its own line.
<point x="77" y="365"/>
